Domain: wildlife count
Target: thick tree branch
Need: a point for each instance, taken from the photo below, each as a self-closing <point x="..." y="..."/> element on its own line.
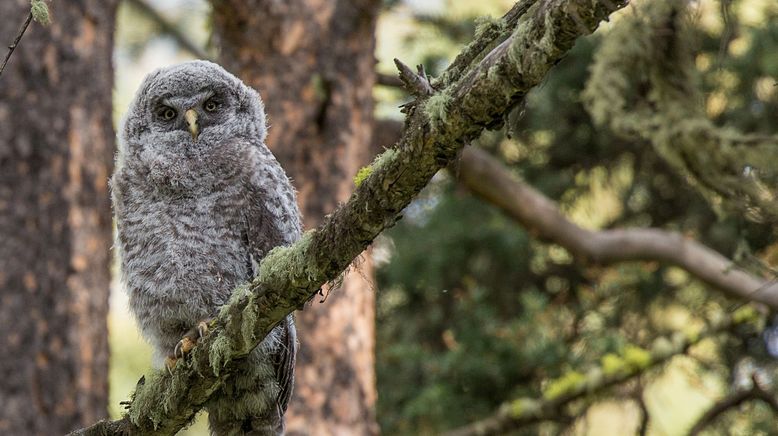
<point x="290" y="276"/>
<point x="613" y="370"/>
<point x="490" y="180"/>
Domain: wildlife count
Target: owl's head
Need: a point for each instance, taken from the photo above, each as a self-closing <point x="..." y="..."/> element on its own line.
<point x="189" y="119"/>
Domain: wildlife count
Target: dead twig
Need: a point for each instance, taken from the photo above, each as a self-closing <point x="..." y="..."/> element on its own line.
<point x="15" y="43"/>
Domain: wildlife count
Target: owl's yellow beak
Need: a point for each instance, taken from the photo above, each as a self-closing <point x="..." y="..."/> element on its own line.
<point x="191" y="120"/>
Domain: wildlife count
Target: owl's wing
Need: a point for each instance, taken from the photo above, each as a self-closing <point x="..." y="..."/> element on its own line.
<point x="272" y="220"/>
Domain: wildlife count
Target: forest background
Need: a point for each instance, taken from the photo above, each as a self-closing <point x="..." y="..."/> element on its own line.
<point x="478" y="309"/>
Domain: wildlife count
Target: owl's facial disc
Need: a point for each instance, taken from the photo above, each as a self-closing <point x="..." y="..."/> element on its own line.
<point x="193" y="113"/>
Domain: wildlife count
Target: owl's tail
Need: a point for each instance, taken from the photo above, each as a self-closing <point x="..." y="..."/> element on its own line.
<point x="253" y="400"/>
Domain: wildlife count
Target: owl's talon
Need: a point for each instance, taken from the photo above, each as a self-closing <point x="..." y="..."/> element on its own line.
<point x="170" y="364"/>
<point x="190" y="339"/>
<point x="184" y="346"/>
<point x="202" y="328"/>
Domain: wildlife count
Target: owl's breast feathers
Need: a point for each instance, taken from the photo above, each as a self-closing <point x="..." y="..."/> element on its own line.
<point x="183" y="256"/>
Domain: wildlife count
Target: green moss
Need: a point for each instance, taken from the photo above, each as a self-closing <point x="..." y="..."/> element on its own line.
<point x="362" y="174"/>
<point x="379" y="161"/>
<point x="643" y="84"/>
<point x="524" y="407"/>
<point x="220" y="353"/>
<point x="636" y="357"/>
<point x="569" y="383"/>
<point x="290" y="261"/>
<point x="612" y="364"/>
<point x="146" y="400"/>
<point x="488" y="27"/>
<point x="745" y="314"/>
<point x="40" y="12"/>
<point x="436" y="108"/>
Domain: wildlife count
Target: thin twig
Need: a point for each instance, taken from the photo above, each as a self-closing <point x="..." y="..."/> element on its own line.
<point x="734" y="400"/>
<point x="645" y="416"/>
<point x="18" y="38"/>
<point x="388" y="80"/>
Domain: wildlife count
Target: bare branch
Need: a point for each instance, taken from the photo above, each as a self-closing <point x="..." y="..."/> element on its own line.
<point x="490" y="180"/>
<point x="415" y="83"/>
<point x="388" y="80"/>
<point x="559" y="393"/>
<point x="15" y="42"/>
<point x="290" y="276"/>
<point x="645" y="416"/>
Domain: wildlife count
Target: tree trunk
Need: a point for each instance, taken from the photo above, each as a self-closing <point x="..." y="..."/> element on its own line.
<point x="56" y="147"/>
<point x="313" y="63"/>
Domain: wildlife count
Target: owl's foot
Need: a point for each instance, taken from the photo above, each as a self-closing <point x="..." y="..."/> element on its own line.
<point x="186" y="344"/>
<point x="170" y="364"/>
<point x="190" y="339"/>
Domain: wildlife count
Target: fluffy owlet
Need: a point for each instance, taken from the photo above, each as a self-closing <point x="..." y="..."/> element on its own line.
<point x="199" y="200"/>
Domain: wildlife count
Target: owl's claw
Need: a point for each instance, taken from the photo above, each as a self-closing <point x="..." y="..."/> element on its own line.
<point x="202" y="328"/>
<point x="170" y="363"/>
<point x="190" y="339"/>
<point x="184" y="346"/>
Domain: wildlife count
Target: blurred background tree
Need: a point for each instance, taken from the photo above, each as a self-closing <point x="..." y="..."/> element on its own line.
<point x="56" y="153"/>
<point x="506" y="314"/>
<point x="472" y="310"/>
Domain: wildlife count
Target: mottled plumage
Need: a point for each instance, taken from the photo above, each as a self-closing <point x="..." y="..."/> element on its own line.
<point x="199" y="200"/>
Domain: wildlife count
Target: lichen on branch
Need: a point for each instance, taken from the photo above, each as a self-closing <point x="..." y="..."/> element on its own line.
<point x="613" y="369"/>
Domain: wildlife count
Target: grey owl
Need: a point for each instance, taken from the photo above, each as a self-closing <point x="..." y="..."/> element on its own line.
<point x="199" y="200"/>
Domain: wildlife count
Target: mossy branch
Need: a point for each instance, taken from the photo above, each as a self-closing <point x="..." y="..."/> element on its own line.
<point x="613" y="369"/>
<point x="290" y="276"/>
<point x="643" y="85"/>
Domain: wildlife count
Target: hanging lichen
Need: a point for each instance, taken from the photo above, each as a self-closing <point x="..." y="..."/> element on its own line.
<point x="643" y="85"/>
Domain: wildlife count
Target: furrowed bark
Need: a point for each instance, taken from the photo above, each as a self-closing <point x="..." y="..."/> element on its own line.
<point x="436" y="131"/>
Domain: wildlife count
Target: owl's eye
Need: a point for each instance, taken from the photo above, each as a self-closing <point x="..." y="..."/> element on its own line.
<point x="167" y="113"/>
<point x="211" y="106"/>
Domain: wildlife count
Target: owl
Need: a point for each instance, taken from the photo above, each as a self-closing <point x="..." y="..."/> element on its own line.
<point x="199" y="199"/>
